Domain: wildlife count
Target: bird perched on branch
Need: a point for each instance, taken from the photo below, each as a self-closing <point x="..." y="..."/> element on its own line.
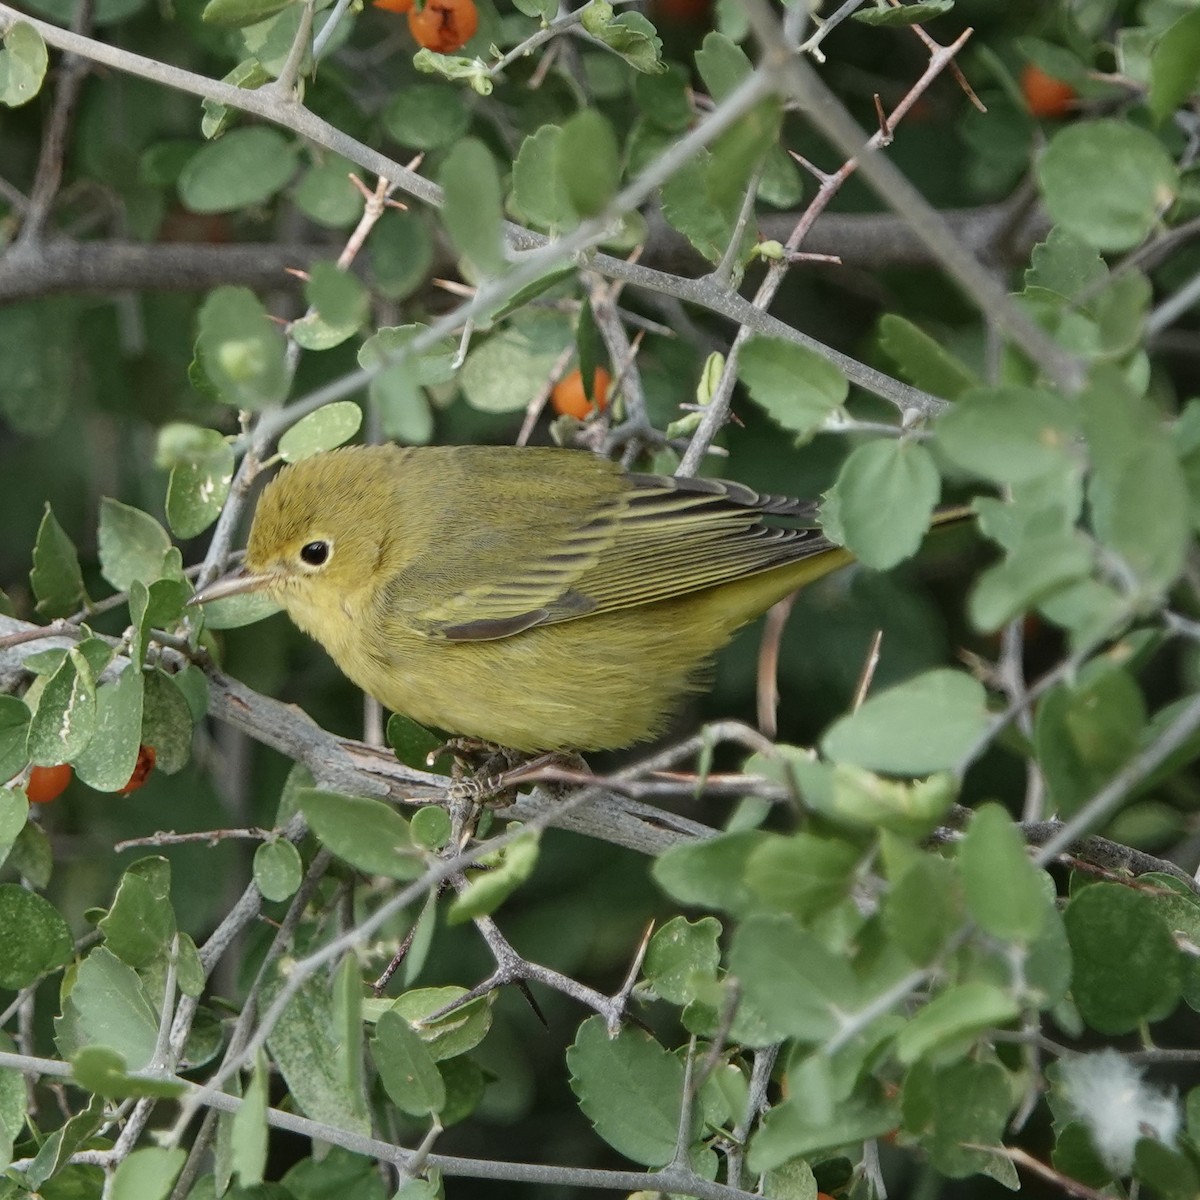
<point x="537" y="599"/>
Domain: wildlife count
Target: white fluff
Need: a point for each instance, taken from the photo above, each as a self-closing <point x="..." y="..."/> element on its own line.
<point x="1109" y="1095"/>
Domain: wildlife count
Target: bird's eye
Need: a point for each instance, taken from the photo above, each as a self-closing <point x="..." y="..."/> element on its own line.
<point x="315" y="554"/>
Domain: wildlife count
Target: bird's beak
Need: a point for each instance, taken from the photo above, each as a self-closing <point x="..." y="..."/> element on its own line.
<point x="236" y="583"/>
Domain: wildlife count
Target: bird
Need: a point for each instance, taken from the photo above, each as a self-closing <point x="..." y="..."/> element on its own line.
<point x="536" y="599"/>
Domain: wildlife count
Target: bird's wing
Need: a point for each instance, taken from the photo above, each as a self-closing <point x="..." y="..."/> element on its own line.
<point x="654" y="538"/>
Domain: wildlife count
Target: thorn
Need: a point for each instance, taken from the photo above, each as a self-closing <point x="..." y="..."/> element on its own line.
<point x="885" y="129"/>
<point x="868" y="671"/>
<point x="455" y="288"/>
<point x="523" y="988"/>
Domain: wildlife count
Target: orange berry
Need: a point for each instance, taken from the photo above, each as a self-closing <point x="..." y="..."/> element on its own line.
<point x="48" y="783"/>
<point x="142" y="768"/>
<point x="444" y="25"/>
<point x="568" y="398"/>
<point x="1045" y="95"/>
<point x="396" y="6"/>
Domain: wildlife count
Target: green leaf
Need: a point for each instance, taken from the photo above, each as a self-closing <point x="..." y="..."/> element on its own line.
<point x="147" y="1174"/>
<point x="1165" y="1170"/>
<point x="722" y="64"/>
<point x="630" y="35"/>
<point x="56" y="578"/>
<point x="1107" y="182"/>
<point x="34" y="939"/>
<point x="167" y="722"/>
<point x="792" y="1129"/>
<point x="884" y="498"/>
<point x="103" y="1071"/>
<point x="413" y="744"/>
<point x="796" y="386"/>
<point x="189" y="968"/>
<point x="1127" y="967"/>
<point x="469" y="70"/>
<point x="1008" y="434"/>
<point x="539" y="190"/>
<point x="922" y="359"/>
<point x="799" y="987"/>
<point x="367" y="834"/>
<point x="460" y="1030"/>
<point x="108" y="1005"/>
<point x="307" y="1044"/>
<point x="66" y="713"/>
<point x="23" y="63"/>
<point x="904" y="14"/>
<point x="235" y="14"/>
<point x="681" y="953"/>
<point x="14" y="811"/>
<point x="389" y="348"/>
<point x="244" y="168"/>
<point x="139" y="925"/>
<point x="803" y="874"/>
<point x="31" y="856"/>
<point x="326" y="195"/>
<point x="1003" y="888"/>
<point x="630" y="1088"/>
<point x="1086" y="733"/>
<point x="955" y="1019"/>
<point x="957" y="1108"/>
<point x="14" y="731"/>
<point x="472" y="210"/>
<point x="327" y="427"/>
<point x="1175" y="66"/>
<point x="161" y="604"/>
<point x="242" y="350"/>
<point x="248" y="1136"/>
<point x="250" y="75"/>
<point x="872" y="801"/>
<point x="406" y="1067"/>
<point x="510" y="868"/>
<point x="199" y="483"/>
<point x="109" y="758"/>
<point x="431" y="827"/>
<point x="505" y="372"/>
<point x="400" y="251"/>
<point x="338" y="307"/>
<point x="918" y="727"/>
<point x="710" y="874"/>
<point x="664" y="99"/>
<point x="1038" y="569"/>
<point x="133" y="545"/>
<point x="277" y="869"/>
<point x="1064" y="264"/>
<point x="338" y="1173"/>
<point x="925" y="908"/>
<point x="690" y="207"/>
<point x="1139" y="497"/>
<point x="427" y="117"/>
<point x="589" y="162"/>
<point x="62" y="1143"/>
<point x="735" y="157"/>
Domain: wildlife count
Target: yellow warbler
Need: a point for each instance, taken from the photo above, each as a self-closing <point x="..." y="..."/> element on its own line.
<point x="539" y="599"/>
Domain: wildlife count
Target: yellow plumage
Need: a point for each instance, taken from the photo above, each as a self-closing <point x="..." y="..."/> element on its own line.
<point x="540" y="599"/>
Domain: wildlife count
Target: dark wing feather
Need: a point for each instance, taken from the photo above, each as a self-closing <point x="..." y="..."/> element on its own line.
<point x="657" y="538"/>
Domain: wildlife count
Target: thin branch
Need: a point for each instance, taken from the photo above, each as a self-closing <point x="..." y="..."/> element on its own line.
<point x="52" y="156"/>
<point x="666" y="1180"/>
<point x="834" y="122"/>
<point x="542" y="254"/>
